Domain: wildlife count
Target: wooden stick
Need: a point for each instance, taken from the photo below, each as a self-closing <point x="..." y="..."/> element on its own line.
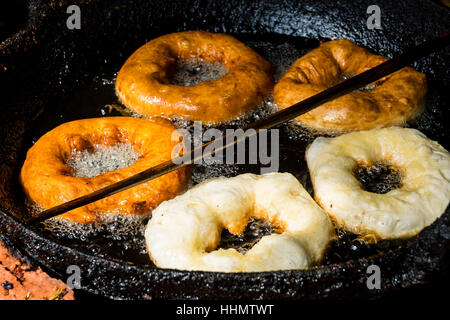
<point x="271" y="121"/>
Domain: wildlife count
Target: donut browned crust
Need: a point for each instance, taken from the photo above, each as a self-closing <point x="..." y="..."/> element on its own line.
<point x="395" y="99"/>
<point x="143" y="83"/>
<point x="48" y="180"/>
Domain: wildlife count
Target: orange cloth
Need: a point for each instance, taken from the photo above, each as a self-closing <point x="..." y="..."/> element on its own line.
<point x="20" y="281"/>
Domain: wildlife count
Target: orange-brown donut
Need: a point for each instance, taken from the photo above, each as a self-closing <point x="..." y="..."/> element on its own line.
<point x="48" y="180"/>
<point x="396" y="98"/>
<point x="143" y="82"/>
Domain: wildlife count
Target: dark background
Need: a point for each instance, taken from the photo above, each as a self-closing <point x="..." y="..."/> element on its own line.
<point x="13" y="15"/>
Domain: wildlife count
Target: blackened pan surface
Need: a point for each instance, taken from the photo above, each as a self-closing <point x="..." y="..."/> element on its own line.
<point x="46" y="76"/>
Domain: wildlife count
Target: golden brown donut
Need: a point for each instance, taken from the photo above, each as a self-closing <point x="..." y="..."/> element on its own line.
<point x="48" y="180"/>
<point x="396" y="98"/>
<point x="143" y="82"/>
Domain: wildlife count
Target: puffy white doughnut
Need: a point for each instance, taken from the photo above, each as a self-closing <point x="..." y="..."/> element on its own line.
<point x="185" y="231"/>
<point x="403" y="212"/>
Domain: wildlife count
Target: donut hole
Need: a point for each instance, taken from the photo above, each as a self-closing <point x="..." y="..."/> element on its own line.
<point x="254" y="231"/>
<point x="193" y="72"/>
<point x="97" y="159"/>
<point x="379" y="177"/>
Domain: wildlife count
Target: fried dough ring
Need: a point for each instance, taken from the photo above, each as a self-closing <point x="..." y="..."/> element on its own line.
<point x="48" y="180"/>
<point x="422" y="197"/>
<point x="183" y="232"/>
<point x="143" y="82"/>
<point x="395" y="99"/>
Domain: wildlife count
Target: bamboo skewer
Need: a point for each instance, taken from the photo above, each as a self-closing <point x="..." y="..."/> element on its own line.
<point x="302" y="107"/>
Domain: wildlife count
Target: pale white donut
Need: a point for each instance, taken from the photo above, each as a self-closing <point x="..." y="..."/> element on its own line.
<point x="422" y="198"/>
<point x="183" y="232"/>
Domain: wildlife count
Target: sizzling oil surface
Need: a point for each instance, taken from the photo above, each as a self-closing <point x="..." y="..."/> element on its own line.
<point x="255" y="230"/>
<point x="122" y="237"/>
<point x="378" y="178"/>
<point x="102" y="159"/>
